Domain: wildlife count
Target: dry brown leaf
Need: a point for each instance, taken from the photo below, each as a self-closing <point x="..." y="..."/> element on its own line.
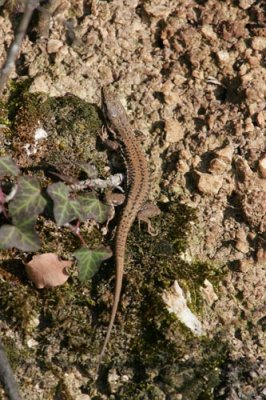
<point x="47" y="270"/>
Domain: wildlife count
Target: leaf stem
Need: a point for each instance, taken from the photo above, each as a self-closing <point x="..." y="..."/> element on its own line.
<point x="75" y="230"/>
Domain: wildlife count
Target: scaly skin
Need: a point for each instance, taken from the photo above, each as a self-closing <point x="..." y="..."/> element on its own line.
<point x="138" y="186"/>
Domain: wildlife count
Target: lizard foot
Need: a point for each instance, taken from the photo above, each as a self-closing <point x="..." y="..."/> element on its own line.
<point x="109" y="143"/>
<point x="113" y="200"/>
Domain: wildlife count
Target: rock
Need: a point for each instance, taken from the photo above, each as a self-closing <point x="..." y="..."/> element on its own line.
<point x="226" y="153"/>
<point x="209" y="184"/>
<point x="179" y="79"/>
<point x="261" y="118"/>
<point x="208" y="291"/>
<point x="182" y="167"/>
<point x="249" y="127"/>
<point x="53" y="46"/>
<point x="208" y="32"/>
<point x="171" y="94"/>
<point x="218" y="167"/>
<point x="174" y="131"/>
<point x="262" y="167"/>
<point x="261" y="255"/>
<point x="223" y="56"/>
<point x="245" y="4"/>
<point x="245" y="265"/>
<point x="157" y="11"/>
<point x="176" y="303"/>
<point x="242" y="246"/>
<point x="41" y="83"/>
<point x="259" y="43"/>
<point x="222" y="161"/>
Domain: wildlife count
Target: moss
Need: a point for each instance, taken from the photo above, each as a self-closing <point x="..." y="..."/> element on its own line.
<point x="19" y="305"/>
<point x="15" y="355"/>
<point x="18" y="91"/>
<point x="162" y="356"/>
<point x="61" y="240"/>
<point x="72" y="125"/>
<point x="62" y="392"/>
<point x="162" y="353"/>
<point x="66" y="324"/>
<point x="63" y="316"/>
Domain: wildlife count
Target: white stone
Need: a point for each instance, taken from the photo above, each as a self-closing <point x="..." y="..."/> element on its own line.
<point x="176" y="303"/>
<point x="32" y="343"/>
<point x="223" y="56"/>
<point x="40" y="133"/>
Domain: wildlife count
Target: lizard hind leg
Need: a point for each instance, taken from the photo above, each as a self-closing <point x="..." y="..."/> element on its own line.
<point x="148" y="211"/>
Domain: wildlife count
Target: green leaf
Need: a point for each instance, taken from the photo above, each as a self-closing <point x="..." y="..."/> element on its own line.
<point x="28" y="201"/>
<point x="22" y="236"/>
<point x="89" y="261"/>
<point x="92" y="208"/>
<point x="8" y="167"/>
<point x="65" y="208"/>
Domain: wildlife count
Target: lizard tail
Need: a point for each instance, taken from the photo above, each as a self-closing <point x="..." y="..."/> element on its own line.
<point x="118" y="288"/>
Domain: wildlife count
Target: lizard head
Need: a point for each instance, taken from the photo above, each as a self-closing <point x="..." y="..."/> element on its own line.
<point x="112" y="106"/>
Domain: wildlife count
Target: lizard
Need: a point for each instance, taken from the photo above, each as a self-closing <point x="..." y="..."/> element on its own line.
<point x="137" y="191"/>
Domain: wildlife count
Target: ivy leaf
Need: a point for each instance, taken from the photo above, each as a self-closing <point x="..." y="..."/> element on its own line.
<point x="92" y="208"/>
<point x="22" y="236"/>
<point x="28" y="200"/>
<point x="89" y="261"/>
<point x="8" y="167"/>
<point x="65" y="208"/>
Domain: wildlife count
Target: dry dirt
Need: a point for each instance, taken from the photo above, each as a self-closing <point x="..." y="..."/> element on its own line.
<point x="192" y="75"/>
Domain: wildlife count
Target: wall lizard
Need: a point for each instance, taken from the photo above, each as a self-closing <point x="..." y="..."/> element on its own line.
<point x="138" y="186"/>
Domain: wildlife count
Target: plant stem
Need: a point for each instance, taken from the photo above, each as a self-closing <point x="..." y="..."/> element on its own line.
<point x="7" y="377"/>
<point x="17" y="42"/>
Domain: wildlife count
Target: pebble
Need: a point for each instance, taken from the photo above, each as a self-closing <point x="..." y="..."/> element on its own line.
<point x="53" y="46"/>
<point x="222" y="161"/>
<point x="208" y="32"/>
<point x="217" y="167"/>
<point x="245" y="265"/>
<point x="261" y="255"/>
<point x="209" y="184"/>
<point x="261" y="119"/>
<point x="245" y="4"/>
<point x="226" y="153"/>
<point x="262" y="167"/>
<point x="209" y="293"/>
<point x="242" y="246"/>
<point x="174" y="131"/>
<point x="259" y="43"/>
<point x="223" y="56"/>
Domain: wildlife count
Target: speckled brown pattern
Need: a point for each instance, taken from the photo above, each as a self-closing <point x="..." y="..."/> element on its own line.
<point x="138" y="184"/>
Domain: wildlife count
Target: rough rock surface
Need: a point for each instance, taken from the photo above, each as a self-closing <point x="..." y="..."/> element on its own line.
<point x="192" y="76"/>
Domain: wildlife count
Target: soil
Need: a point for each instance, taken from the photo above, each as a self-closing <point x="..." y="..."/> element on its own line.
<point x="192" y="76"/>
